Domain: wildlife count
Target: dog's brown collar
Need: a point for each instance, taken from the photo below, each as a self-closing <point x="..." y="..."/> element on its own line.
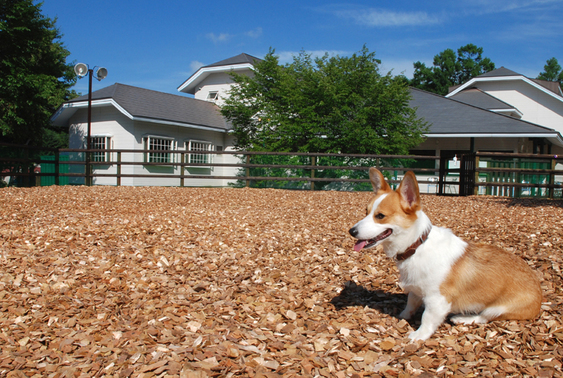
<point x="412" y="249"/>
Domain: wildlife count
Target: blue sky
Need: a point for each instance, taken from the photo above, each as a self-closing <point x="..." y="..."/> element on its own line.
<point x="159" y="44"/>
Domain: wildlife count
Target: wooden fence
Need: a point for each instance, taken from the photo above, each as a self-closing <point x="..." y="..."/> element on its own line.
<point x="512" y="175"/>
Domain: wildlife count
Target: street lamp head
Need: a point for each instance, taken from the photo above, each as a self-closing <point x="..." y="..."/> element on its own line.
<point x="81" y="69"/>
<point x="101" y="73"/>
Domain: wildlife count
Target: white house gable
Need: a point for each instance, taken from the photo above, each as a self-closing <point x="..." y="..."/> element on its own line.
<point x="214" y="88"/>
<point x="212" y="83"/>
<point x="535" y="103"/>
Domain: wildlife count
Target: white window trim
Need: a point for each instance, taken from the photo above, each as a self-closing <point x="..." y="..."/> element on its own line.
<point x="170" y="152"/>
<point x="213" y="96"/>
<point x="108" y="143"/>
<point x="193" y="157"/>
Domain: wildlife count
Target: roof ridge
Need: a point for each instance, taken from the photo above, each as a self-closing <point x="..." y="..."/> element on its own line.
<point x="241" y="58"/>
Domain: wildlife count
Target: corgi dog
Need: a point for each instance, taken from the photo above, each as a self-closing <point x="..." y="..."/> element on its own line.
<point x="478" y="282"/>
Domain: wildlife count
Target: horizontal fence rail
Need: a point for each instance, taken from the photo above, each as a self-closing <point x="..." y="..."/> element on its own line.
<point x="501" y="174"/>
<point x="517" y="175"/>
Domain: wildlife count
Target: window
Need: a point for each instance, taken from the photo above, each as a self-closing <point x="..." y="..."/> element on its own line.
<point x="196" y="145"/>
<point x="155" y="145"/>
<point x="100" y="143"/>
<point x="213" y="96"/>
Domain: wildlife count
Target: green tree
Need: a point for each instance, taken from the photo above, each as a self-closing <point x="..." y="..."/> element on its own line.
<point x="552" y="72"/>
<point x="328" y="104"/>
<point x="34" y="76"/>
<point x="450" y="69"/>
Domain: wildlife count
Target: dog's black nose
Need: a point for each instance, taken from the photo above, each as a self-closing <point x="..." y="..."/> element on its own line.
<point x="353" y="231"/>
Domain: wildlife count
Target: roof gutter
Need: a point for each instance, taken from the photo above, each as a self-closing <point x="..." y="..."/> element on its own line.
<point x="555" y="137"/>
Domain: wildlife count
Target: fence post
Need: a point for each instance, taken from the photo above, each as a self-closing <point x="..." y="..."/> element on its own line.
<point x="88" y="169"/>
<point x="118" y="168"/>
<point x="518" y="180"/>
<point x="57" y="169"/>
<point x="552" y="179"/>
<point x="247" y="171"/>
<point x="182" y="161"/>
<point x="26" y="179"/>
<point x="313" y="163"/>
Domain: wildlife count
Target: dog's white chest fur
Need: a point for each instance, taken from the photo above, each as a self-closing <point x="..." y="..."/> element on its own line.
<point x="424" y="272"/>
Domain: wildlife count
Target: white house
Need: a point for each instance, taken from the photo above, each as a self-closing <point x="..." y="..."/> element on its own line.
<point x="497" y="111"/>
<point x="132" y="118"/>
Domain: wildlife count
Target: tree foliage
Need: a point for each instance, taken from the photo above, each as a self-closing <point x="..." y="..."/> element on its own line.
<point x="450" y="69"/>
<point x="552" y="72"/>
<point x="34" y="76"/>
<point x="326" y="104"/>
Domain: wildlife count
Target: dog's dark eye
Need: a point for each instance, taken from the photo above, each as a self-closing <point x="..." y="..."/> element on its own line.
<point x="380" y="216"/>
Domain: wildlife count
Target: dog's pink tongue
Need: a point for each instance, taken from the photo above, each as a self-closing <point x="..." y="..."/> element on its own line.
<point x="359" y="245"/>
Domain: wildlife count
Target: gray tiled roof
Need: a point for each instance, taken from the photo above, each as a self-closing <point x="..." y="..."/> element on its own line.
<point x="239" y="59"/>
<point x="444" y="115"/>
<point x="500" y="72"/>
<point x="552" y="86"/>
<point x="146" y="103"/>
<point x="477" y="97"/>
<point x="447" y="116"/>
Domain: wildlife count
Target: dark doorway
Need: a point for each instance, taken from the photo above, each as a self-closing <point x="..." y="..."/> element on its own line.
<point x="450" y="169"/>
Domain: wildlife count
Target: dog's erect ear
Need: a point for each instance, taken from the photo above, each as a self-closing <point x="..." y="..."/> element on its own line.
<point x="410" y="195"/>
<point x="378" y="181"/>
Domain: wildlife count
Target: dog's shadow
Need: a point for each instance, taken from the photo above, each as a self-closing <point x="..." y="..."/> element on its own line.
<point x="353" y="295"/>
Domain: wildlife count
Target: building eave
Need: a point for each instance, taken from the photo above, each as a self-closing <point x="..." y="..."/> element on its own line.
<point x="68" y="109"/>
<point x="190" y="85"/>
<point x="475" y="80"/>
<point x="554" y="137"/>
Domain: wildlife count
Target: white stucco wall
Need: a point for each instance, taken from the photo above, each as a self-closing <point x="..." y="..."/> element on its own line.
<point x="220" y="82"/>
<point x="536" y="106"/>
<point x="217" y="82"/>
<point x="127" y="134"/>
<point x="107" y="121"/>
<point x="181" y="135"/>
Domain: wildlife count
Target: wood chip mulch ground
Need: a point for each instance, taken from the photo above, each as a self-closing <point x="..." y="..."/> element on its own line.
<point x="202" y="282"/>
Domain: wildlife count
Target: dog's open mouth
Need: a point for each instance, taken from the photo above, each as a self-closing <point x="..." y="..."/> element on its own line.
<point x="360" y="244"/>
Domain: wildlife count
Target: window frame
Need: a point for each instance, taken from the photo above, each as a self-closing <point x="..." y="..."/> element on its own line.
<point x="167" y="156"/>
<point x="101" y="157"/>
<point x="213" y="96"/>
<point x="195" y="158"/>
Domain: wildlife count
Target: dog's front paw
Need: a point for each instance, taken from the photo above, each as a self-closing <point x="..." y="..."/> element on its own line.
<point x="419" y="335"/>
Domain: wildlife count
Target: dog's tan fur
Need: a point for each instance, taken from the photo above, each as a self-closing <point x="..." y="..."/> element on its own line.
<point x="494" y="277"/>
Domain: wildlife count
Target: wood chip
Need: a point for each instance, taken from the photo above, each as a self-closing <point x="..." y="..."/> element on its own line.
<point x="202" y="282"/>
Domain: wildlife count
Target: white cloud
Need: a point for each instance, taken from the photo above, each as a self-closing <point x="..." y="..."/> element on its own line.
<point x="223" y="37"/>
<point x="500" y="6"/>
<point x="383" y="18"/>
<point x="254" y="33"/>
<point x="196" y="65"/>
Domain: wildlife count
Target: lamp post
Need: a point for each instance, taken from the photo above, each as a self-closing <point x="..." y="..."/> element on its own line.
<point x="82" y="70"/>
